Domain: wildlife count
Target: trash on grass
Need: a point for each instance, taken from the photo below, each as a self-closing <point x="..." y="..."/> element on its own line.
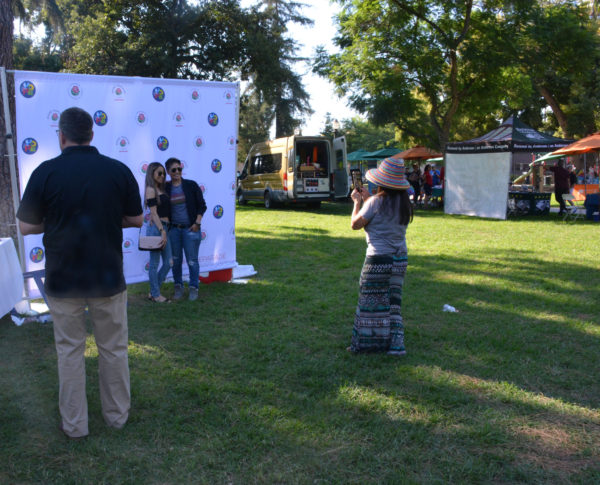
<point x="449" y="308"/>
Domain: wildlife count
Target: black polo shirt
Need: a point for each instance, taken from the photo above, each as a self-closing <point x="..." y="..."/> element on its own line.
<point x="81" y="197"/>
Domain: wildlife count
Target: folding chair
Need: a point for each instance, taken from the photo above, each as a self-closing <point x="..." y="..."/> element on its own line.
<point x="574" y="211"/>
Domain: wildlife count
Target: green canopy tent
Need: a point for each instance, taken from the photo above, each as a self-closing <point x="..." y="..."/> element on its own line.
<point x="363" y="160"/>
<point x="376" y="155"/>
<point x="357" y="155"/>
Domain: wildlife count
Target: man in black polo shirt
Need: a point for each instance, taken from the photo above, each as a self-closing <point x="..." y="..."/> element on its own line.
<point x="81" y="200"/>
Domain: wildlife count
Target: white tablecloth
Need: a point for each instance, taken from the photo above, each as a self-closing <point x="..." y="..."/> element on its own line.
<point x="11" y="277"/>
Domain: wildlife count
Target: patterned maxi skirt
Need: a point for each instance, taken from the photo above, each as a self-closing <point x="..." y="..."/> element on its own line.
<point x="378" y="323"/>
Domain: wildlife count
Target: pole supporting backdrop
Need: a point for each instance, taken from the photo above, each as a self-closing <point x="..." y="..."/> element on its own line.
<point x="138" y="121"/>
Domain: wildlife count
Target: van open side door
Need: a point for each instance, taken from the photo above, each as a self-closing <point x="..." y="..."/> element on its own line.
<point x="341" y="172"/>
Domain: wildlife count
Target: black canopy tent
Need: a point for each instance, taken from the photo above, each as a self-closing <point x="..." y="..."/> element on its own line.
<point x="515" y="137"/>
<point x="478" y="171"/>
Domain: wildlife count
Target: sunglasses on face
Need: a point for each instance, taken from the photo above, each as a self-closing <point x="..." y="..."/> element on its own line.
<point x="176" y="169"/>
<point x="160" y="174"/>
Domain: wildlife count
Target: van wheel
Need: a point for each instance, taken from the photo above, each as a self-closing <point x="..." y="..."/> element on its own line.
<point x="241" y="200"/>
<point x="269" y="204"/>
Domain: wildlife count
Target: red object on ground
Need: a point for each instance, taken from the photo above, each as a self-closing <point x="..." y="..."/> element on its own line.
<point x="220" y="275"/>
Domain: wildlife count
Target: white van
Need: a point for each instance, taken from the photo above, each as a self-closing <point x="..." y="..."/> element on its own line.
<point x="306" y="169"/>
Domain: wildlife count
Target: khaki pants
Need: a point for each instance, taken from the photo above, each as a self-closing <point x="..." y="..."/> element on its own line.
<point x="109" y="318"/>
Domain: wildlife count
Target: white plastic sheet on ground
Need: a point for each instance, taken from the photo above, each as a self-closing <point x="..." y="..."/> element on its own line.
<point x="477" y="184"/>
<point x="11" y="278"/>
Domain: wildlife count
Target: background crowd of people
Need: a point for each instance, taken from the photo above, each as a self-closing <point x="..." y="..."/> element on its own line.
<point x="423" y="182"/>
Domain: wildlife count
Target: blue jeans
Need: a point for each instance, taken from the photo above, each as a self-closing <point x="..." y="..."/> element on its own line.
<point x="188" y="242"/>
<point x="156" y="276"/>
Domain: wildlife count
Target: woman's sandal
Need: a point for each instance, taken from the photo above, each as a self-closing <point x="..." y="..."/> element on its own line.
<point x="158" y="299"/>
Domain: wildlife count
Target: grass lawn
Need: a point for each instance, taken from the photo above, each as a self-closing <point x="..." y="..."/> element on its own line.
<point x="252" y="384"/>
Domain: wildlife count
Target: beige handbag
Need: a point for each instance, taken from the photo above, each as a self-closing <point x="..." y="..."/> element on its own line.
<point x="148" y="243"/>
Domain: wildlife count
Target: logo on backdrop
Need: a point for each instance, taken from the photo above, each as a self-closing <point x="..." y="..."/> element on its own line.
<point x="216" y="165"/>
<point x="178" y="119"/>
<point x="198" y="142"/>
<point x="119" y="92"/>
<point x="140" y="118"/>
<point x="158" y="93"/>
<point x="218" y="211"/>
<point x="213" y="119"/>
<point x="122" y="143"/>
<point x="231" y="142"/>
<point x="53" y="117"/>
<point x="228" y="95"/>
<point x="75" y="91"/>
<point x="100" y="118"/>
<point x="162" y="143"/>
<point x="195" y="95"/>
<point x="147" y="267"/>
<point x="147" y="217"/>
<point x="36" y="255"/>
<point x="202" y="188"/>
<point x="144" y="167"/>
<point x="30" y="146"/>
<point x="202" y="236"/>
<point x="233" y="186"/>
<point x="127" y="245"/>
<point x="27" y="89"/>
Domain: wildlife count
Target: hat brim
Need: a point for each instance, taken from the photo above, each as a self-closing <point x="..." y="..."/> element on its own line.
<point x="374" y="176"/>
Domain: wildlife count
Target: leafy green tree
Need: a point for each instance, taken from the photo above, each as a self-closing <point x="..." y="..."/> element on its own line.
<point x="328" y="129"/>
<point x="558" y="49"/>
<point x="362" y="134"/>
<point x="256" y="118"/>
<point x="29" y="56"/>
<point x="168" y="38"/>
<point x="271" y="56"/>
<point x="449" y="69"/>
<point x="415" y="63"/>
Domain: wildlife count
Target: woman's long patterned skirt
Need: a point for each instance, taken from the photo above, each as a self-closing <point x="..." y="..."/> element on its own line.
<point x="378" y="323"/>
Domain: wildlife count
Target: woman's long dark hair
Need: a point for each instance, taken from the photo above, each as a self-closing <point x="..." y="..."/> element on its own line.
<point x="396" y="202"/>
<point x="150" y="182"/>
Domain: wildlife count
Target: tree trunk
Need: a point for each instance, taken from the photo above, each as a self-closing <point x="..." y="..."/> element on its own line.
<point x="561" y="118"/>
<point x="7" y="215"/>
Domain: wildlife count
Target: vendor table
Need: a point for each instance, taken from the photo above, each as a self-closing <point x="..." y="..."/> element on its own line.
<point x="11" y="278"/>
<point x="528" y="203"/>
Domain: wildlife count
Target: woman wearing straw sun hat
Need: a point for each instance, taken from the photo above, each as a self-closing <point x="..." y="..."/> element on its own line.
<point x="384" y="216"/>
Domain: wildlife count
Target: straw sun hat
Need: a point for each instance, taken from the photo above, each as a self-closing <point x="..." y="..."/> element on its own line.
<point x="390" y="174"/>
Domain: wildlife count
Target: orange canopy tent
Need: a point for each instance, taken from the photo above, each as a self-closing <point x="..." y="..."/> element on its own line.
<point x="417" y="153"/>
<point x="581" y="147"/>
<point x="585" y="145"/>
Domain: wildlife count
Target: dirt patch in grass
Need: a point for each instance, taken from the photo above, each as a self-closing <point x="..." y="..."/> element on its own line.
<point x="554" y="448"/>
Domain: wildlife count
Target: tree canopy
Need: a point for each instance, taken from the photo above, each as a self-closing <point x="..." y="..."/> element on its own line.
<point x="434" y="67"/>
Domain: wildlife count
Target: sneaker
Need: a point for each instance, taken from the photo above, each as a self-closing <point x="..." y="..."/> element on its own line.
<point x="396" y="352"/>
<point x="178" y="295"/>
<point x="193" y="294"/>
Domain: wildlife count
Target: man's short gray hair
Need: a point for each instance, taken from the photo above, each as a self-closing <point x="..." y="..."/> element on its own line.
<point x="76" y="124"/>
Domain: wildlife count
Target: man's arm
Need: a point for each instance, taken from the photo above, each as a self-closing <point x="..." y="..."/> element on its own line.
<point x="27" y="228"/>
<point x="132" y="221"/>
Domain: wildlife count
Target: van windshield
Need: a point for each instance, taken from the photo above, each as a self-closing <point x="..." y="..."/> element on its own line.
<point x="312" y="156"/>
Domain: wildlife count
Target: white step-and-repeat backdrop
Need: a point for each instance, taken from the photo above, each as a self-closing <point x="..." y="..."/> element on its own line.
<point x="139" y="121"/>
